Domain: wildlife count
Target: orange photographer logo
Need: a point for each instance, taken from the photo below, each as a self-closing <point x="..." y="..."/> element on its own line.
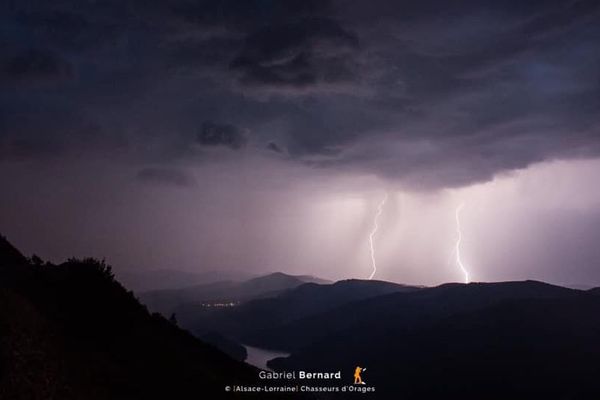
<point x="357" y="375"/>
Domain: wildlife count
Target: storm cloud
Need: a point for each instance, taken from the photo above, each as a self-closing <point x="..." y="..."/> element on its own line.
<point x="398" y="90"/>
<point x="235" y="100"/>
<point x="34" y="65"/>
<point x="163" y="176"/>
<point x="213" y="134"/>
<point x="305" y="53"/>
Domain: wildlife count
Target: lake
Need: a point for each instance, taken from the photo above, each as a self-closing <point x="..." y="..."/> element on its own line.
<point x="259" y="357"/>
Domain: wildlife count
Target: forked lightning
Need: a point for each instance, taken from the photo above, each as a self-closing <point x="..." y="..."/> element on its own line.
<point x="372" y="235"/>
<point x="458" y="242"/>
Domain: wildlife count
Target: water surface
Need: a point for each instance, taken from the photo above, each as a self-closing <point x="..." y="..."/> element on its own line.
<point x="259" y="357"/>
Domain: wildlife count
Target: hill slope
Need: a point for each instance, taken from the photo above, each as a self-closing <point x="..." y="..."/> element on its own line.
<point x="71" y="331"/>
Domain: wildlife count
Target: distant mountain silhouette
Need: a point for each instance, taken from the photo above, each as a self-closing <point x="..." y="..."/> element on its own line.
<point x="169" y="301"/>
<point x="70" y="331"/>
<point x="167" y="279"/>
<point x="517" y="340"/>
<point x="594" y="291"/>
<point x="251" y="321"/>
<point x="579" y="286"/>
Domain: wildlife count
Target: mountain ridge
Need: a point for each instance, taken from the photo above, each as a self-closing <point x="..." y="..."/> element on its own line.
<point x="409" y="307"/>
<point x="167" y="301"/>
<point x="288" y="305"/>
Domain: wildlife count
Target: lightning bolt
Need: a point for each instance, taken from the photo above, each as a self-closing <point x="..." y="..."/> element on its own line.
<point x="458" y="241"/>
<point x="372" y="234"/>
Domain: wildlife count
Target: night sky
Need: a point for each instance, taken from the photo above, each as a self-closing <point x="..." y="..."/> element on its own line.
<point x="262" y="135"/>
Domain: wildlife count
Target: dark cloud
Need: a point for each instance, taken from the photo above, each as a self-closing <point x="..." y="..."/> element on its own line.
<point x="34" y="66"/>
<point x="62" y="27"/>
<point x="213" y="32"/>
<point x="166" y="176"/>
<point x="249" y="15"/>
<point x="274" y="147"/>
<point x="300" y="54"/>
<point x="227" y="135"/>
<point x="399" y="89"/>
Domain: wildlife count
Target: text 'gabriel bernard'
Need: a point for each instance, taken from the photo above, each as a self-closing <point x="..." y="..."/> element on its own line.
<point x="293" y="375"/>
